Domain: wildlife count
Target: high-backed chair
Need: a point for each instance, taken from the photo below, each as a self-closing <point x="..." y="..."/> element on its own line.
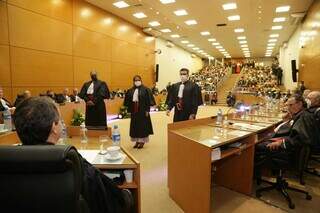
<point x="40" y="178"/>
<point x="297" y="163"/>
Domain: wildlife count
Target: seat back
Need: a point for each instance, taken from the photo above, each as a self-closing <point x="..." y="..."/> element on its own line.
<point x="40" y="178"/>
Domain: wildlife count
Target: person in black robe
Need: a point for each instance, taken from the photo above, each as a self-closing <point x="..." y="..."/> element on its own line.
<point x="184" y="97"/>
<point x="93" y="93"/>
<point x="139" y="99"/>
<point x="37" y="122"/>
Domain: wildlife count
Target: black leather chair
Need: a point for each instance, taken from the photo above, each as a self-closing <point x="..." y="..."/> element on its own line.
<point x="297" y="162"/>
<point x="40" y="178"/>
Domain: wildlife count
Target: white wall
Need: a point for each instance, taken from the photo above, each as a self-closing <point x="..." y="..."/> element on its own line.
<point x="291" y="52"/>
<point x="171" y="60"/>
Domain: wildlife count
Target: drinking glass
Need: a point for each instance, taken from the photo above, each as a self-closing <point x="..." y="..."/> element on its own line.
<point x="103" y="139"/>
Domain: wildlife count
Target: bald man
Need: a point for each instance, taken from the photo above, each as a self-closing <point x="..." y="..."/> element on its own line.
<point x="93" y="93"/>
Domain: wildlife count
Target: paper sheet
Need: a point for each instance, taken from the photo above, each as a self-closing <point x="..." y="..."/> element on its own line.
<point x="89" y="155"/>
<point x="215" y="154"/>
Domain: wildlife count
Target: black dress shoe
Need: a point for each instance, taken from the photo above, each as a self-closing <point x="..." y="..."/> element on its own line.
<point x="136" y="145"/>
<point x="128" y="201"/>
<point x="140" y="145"/>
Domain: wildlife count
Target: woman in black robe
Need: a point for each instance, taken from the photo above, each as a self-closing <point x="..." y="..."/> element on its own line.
<point x="139" y="99"/>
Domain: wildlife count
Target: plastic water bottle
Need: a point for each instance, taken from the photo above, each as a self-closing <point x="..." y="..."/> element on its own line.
<point x="115" y="136"/>
<point x="219" y="117"/>
<point x="64" y="134"/>
<point x="83" y="133"/>
<point x="7" y="120"/>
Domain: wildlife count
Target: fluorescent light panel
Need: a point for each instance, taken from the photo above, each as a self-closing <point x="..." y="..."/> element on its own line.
<point x="279" y="19"/>
<point x="274" y="36"/>
<point x="166" y="30"/>
<point x="244" y="45"/>
<point x="205" y="33"/>
<point x="167" y="1"/>
<point x="175" y="36"/>
<point x="229" y="6"/>
<point x="278" y="27"/>
<point x="181" y="12"/>
<point x="211" y="39"/>
<point x="154" y="23"/>
<point x="241" y="37"/>
<point x="215" y="43"/>
<point x="234" y="18"/>
<point x="242" y="42"/>
<point x="191" y="22"/>
<point x="282" y="9"/>
<point x="184" y="42"/>
<point x="239" y="30"/>
<point x="190" y="45"/>
<point x="273" y="40"/>
<point x="120" y="4"/>
<point x="140" y="15"/>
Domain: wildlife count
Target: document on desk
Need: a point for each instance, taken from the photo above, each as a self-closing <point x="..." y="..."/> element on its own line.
<point x="237" y="133"/>
<point x="89" y="155"/>
<point x="216" y="154"/>
<point x="93" y="157"/>
<point x="246" y="126"/>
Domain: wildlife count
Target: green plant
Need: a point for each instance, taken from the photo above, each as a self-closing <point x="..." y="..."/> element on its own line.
<point x="77" y="118"/>
<point x="162" y="106"/>
<point x="123" y="113"/>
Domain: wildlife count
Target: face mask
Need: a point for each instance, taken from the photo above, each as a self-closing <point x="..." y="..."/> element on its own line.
<point x="137" y="83"/>
<point x="94" y="77"/>
<point x="184" y="78"/>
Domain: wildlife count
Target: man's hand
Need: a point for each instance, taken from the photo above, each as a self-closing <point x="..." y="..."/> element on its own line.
<point x="90" y="103"/>
<point x="275" y="145"/>
<point x="192" y="117"/>
<point x="168" y="113"/>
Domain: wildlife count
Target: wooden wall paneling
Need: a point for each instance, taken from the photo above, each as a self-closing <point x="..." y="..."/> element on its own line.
<point x="83" y="67"/>
<point x="38" y="68"/>
<point x="122" y="75"/>
<point x="93" y="18"/>
<point x="31" y="30"/>
<point x="124" y="31"/>
<point x="4" y="39"/>
<point x="310" y="73"/>
<point x="59" y="9"/>
<point x="145" y="41"/>
<point x="124" y="52"/>
<point x="7" y="93"/>
<point x="5" y="74"/>
<point x="91" y="44"/>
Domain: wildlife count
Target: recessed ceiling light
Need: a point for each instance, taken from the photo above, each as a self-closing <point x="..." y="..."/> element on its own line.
<point x="274" y="36"/>
<point x="154" y="23"/>
<point x="184" y="42"/>
<point x="222" y="50"/>
<point x="239" y="30"/>
<point x="219" y="47"/>
<point x="273" y="40"/>
<point x="279" y="19"/>
<point x="245" y="48"/>
<point x="242" y="42"/>
<point x="244" y="45"/>
<point x="215" y="43"/>
<point x="282" y="9"/>
<point x="140" y="15"/>
<point x="271" y="44"/>
<point x="167" y="1"/>
<point x="229" y="6"/>
<point x="175" y="36"/>
<point x="211" y="39"/>
<point x="120" y="4"/>
<point x="278" y="27"/>
<point x="191" y="22"/>
<point x="241" y="37"/>
<point x="195" y="48"/>
<point x="180" y="12"/>
<point x="200" y="51"/>
<point x="205" y="33"/>
<point x="166" y="30"/>
<point x="190" y="45"/>
<point x="234" y="18"/>
<point x="270" y="48"/>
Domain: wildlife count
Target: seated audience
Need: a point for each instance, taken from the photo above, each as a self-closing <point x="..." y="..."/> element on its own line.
<point x="74" y="97"/>
<point x="37" y="122"/>
<point x="5" y="105"/>
<point x="65" y="94"/>
<point x="26" y="94"/>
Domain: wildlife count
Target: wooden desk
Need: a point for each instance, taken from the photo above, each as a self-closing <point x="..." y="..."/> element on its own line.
<point x="191" y="170"/>
<point x="93" y="144"/>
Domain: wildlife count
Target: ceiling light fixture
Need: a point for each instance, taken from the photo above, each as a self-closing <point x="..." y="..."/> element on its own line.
<point x="140" y="15"/>
<point x="282" y="9"/>
<point x="273" y="40"/>
<point x="205" y="33"/>
<point x="167" y="1"/>
<point x="190" y="45"/>
<point x="241" y="37"/>
<point x="239" y="30"/>
<point x="175" y="36"/>
<point x="166" y="30"/>
<point x="242" y="42"/>
<point x="211" y="39"/>
<point x="181" y="12"/>
<point x="234" y="18"/>
<point x="191" y="22"/>
<point x="274" y="36"/>
<point x="120" y="4"/>
<point x="279" y="19"/>
<point x="278" y="27"/>
<point x="154" y="23"/>
<point x="229" y="6"/>
<point x="184" y="42"/>
<point x="215" y="43"/>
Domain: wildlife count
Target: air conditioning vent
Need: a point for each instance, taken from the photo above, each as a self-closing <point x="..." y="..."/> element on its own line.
<point x="137" y="5"/>
<point x="221" y="25"/>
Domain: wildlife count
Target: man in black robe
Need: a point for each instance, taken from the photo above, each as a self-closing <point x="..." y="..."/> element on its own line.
<point x="93" y="93"/>
<point x="139" y="99"/>
<point x="185" y="97"/>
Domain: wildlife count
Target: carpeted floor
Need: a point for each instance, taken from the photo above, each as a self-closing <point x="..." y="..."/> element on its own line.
<point x="154" y="192"/>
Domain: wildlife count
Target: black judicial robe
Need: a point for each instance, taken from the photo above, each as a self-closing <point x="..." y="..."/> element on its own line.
<point x="191" y="100"/>
<point x="140" y="124"/>
<point x="95" y="115"/>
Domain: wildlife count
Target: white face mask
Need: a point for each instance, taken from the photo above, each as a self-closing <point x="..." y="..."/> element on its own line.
<point x="184" y="78"/>
<point x="137" y="83"/>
